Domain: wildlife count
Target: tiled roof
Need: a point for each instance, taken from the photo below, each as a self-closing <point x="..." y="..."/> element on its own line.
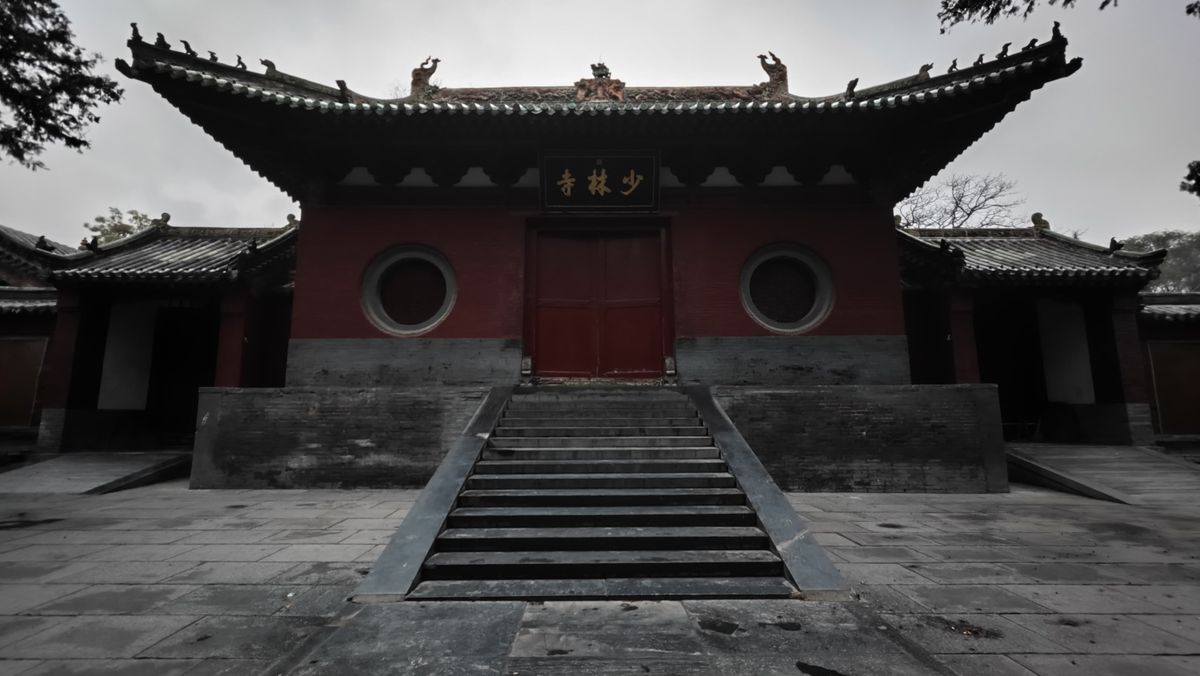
<point x="167" y="254"/>
<point x="277" y="88"/>
<point x="1175" y="308"/>
<point x="28" y="241"/>
<point x="22" y="300"/>
<point x="1030" y="255"/>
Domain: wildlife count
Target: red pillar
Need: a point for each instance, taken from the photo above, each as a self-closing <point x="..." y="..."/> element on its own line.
<point x="54" y="383"/>
<point x="962" y="337"/>
<point x="231" y="340"/>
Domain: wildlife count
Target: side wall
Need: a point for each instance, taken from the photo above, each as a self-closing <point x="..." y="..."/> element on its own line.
<point x="326" y="437"/>
<point x="918" y="438"/>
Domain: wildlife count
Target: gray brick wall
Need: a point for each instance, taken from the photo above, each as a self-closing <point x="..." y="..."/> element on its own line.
<point x="793" y="360"/>
<point x="326" y="437"/>
<point x="918" y="438"/>
<point x="403" y="362"/>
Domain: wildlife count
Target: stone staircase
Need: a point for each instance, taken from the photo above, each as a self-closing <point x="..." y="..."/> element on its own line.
<point x="599" y="494"/>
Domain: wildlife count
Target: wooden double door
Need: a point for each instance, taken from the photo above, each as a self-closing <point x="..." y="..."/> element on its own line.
<point x="599" y="303"/>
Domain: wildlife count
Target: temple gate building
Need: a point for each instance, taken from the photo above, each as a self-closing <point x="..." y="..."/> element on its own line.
<point x="736" y="238"/>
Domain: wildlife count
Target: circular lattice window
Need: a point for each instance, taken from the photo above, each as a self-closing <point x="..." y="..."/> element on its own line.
<point x="409" y="291"/>
<point x="786" y="289"/>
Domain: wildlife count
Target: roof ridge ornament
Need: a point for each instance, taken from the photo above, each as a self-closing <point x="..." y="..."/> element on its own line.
<point x="136" y="36"/>
<point x="1039" y="223"/>
<point x="271" y="70"/>
<point x="777" y="78"/>
<point x="1003" y="50"/>
<point x="187" y="49"/>
<point x="600" y="87"/>
<point x="161" y="42"/>
<point x="241" y="65"/>
<point x="420" y="86"/>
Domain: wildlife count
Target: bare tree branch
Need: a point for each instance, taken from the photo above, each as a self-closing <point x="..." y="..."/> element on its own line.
<point x="963" y="201"/>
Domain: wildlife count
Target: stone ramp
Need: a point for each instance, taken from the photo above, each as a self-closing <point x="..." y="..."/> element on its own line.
<point x="1134" y="475"/>
<point x="94" y="473"/>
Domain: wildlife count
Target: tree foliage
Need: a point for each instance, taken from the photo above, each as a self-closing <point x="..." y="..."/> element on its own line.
<point x="1181" y="270"/>
<point x="1191" y="182"/>
<point x="48" y="92"/>
<point x="117" y="224"/>
<point x="954" y="12"/>
<point x="962" y="201"/>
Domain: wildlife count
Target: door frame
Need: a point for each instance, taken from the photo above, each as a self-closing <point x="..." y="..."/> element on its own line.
<point x="598" y="225"/>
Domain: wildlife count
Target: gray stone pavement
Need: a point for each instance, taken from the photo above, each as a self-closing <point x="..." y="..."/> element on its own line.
<point x="163" y="580"/>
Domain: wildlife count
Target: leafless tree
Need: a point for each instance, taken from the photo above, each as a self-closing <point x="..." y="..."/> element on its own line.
<point x="962" y="201"/>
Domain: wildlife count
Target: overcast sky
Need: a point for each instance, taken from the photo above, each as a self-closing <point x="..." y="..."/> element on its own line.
<point x="1102" y="151"/>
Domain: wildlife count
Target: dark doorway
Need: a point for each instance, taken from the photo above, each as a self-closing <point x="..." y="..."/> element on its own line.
<point x="185" y="358"/>
<point x="598" y="303"/>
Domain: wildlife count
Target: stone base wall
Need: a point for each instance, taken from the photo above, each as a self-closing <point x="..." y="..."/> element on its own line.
<point x="911" y="438"/>
<point x="326" y="437"/>
<point x="403" y="362"/>
<point x="793" y="360"/>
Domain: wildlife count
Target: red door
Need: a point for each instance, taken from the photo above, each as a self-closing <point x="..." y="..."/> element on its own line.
<point x="599" y="305"/>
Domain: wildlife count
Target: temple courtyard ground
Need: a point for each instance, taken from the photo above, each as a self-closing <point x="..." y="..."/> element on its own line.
<point x="161" y="580"/>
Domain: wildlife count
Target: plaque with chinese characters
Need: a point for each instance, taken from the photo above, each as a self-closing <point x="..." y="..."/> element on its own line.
<point x="600" y="181"/>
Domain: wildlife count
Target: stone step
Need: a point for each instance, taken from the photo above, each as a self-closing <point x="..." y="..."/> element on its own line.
<point x="592" y="409"/>
<point x="620" y="588"/>
<point x="601" y="431"/>
<point x="595" y="466"/>
<point x="639" y="413"/>
<point x="617" y="538"/>
<point x="560" y="481"/>
<point x="601" y="497"/>
<point x="627" y="453"/>
<point x="600" y="421"/>
<point x="600" y="564"/>
<point x="598" y="442"/>
<point x="550" y="517"/>
<point x="600" y="395"/>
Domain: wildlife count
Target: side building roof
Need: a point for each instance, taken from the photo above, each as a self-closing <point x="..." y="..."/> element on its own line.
<point x="1020" y="256"/>
<point x="31" y="255"/>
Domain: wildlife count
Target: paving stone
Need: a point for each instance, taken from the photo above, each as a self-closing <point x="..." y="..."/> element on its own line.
<point x="243" y="599"/>
<point x="311" y="537"/>
<point x="321" y="573"/>
<point x="833" y="540"/>
<point x="1110" y="665"/>
<point x="97" y="637"/>
<point x="1174" y="598"/>
<point x="113" y="600"/>
<point x="249" y="572"/>
<point x="113" y="667"/>
<point x="887" y="539"/>
<point x="16" y="598"/>
<point x="868" y="554"/>
<point x="885" y="599"/>
<point x="254" y="552"/>
<point x="370" y="537"/>
<point x="14" y="629"/>
<point x="1113" y="634"/>
<point x="984" y="665"/>
<point x="1153" y="573"/>
<point x="254" y="638"/>
<point x="51" y="552"/>
<point x="768" y="636"/>
<point x="970" y="633"/>
<point x="969" y="599"/>
<point x="141" y="552"/>
<point x="968" y="573"/>
<point x="223" y="667"/>
<point x="879" y="573"/>
<point x="465" y="637"/>
<point x="969" y="554"/>
<point x="226" y="537"/>
<point x="324" y="553"/>
<point x="1185" y="626"/>
<point x="1065" y="573"/>
<point x="318" y="601"/>
<point x="1067" y="598"/>
<point x="127" y="572"/>
<point x="16" y="667"/>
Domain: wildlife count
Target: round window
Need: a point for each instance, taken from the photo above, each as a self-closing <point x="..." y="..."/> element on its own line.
<point x="786" y="289"/>
<point x="408" y="291"/>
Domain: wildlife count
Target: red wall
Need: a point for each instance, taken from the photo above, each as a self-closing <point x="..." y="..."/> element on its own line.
<point x="856" y="241"/>
<point x="710" y="244"/>
<point x="485" y="248"/>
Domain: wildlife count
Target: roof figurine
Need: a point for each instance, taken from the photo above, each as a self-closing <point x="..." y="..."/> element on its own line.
<point x="240" y="64"/>
<point x="980" y="60"/>
<point x="923" y="73"/>
<point x="953" y="66"/>
<point x="161" y="42"/>
<point x="777" y="79"/>
<point x="1039" y="223"/>
<point x="1003" y="50"/>
<point x="421" y="76"/>
<point x="292" y="221"/>
<point x="270" y="65"/>
<point x="1114" y="245"/>
<point x="187" y="49"/>
<point x="212" y="56"/>
<point x="850" y="88"/>
<point x="600" y="87"/>
<point x="1057" y="32"/>
<point x="1031" y="45"/>
<point x="136" y="36"/>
